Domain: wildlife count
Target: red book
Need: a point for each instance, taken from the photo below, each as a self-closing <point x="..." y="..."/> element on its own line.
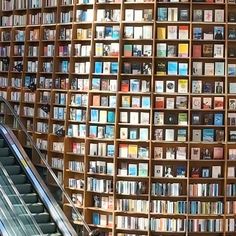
<point x="125" y="85"/>
<point x="197" y="51"/>
<point x="159" y="103"/>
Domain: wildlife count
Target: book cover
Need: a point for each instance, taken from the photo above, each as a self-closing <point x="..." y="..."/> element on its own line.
<point x="143" y="169"/>
<point x="161" y="50"/>
<point x="172" y="68"/>
<point x="171" y="50"/>
<point x="196" y="135"/>
<point x="170" y="86"/>
<point x="195" y="153"/>
<point x="218" y="119"/>
<point x="181" y="135"/>
<point x="158" y="171"/>
<point x="183" y="68"/>
<point x="161" y="33"/>
<point x="208" y="135"/>
<point x="172" y="32"/>
<point x="162" y="14"/>
<point x="183" y="50"/>
<point x="132" y="169"/>
<point x="197" y="50"/>
<point x="196" y="103"/>
<point x="197" y="33"/>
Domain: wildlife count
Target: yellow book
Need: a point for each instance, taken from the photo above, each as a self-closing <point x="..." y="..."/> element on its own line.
<point x="133" y="151"/>
<point x="183" y="50"/>
<point x="161" y="32"/>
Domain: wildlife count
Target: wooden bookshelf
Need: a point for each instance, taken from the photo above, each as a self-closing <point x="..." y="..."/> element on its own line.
<point x="133" y="104"/>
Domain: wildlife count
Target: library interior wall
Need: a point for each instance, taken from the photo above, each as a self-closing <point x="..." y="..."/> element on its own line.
<point x="133" y="103"/>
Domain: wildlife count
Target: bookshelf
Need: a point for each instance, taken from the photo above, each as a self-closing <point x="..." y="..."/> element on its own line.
<point x="133" y="105"/>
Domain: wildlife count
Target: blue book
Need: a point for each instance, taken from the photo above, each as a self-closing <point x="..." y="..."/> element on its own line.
<point x="96" y="83"/>
<point x="98" y="67"/>
<point x="197" y="33"/>
<point x="109" y="131"/>
<point x="162" y="14"/>
<point x="115" y="32"/>
<point x="208" y="135"/>
<point x="183" y="68"/>
<point x="172" y="68"/>
<point x="146" y="102"/>
<point x="27" y="80"/>
<point x="111" y="117"/>
<point x="218" y="119"/>
<point x="110" y="150"/>
<point x="114" y="67"/>
<point x="108" y="32"/>
<point x="78" y="115"/>
<point x="78" y="99"/>
<point x="133" y="170"/>
<point x="93" y="131"/>
<point x="94" y="115"/>
<point x="96" y="218"/>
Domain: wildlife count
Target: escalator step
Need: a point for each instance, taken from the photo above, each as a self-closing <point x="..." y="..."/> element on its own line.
<point x="42" y="217"/>
<point x="2" y="143"/>
<point x="13" y="170"/>
<point x="24" y="188"/>
<point x="36" y="207"/>
<point x="48" y="228"/>
<point x="7" y="160"/>
<point x="19" y="179"/>
<point x="30" y="198"/>
<point x="4" y="151"/>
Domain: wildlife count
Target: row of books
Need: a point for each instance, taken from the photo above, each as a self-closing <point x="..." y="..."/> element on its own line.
<point x="131" y="205"/>
<point x="206" y="208"/>
<point x="101" y="167"/>
<point x="57" y="163"/>
<point x="76" y="166"/>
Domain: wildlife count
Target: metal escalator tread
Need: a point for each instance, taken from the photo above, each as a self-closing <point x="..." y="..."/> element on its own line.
<point x="27" y="192"/>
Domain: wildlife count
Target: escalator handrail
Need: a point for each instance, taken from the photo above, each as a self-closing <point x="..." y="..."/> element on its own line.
<point x="16" y="192"/>
<point x="35" y="179"/>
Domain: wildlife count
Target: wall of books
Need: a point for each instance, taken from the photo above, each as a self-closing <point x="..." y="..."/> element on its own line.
<point x="133" y="103"/>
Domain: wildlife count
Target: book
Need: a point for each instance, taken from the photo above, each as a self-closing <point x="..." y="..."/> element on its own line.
<point x="197" y="50"/>
<point x="208" y="135"/>
<point x="197" y="15"/>
<point x="172" y="68"/>
<point x="197" y="33"/>
<point x="172" y="32"/>
<point x="183" y="32"/>
<point x="196" y="103"/>
<point x="170" y="86"/>
<point x="162" y="14"/>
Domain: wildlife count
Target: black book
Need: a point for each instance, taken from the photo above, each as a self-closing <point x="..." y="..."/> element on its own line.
<point x="208" y="119"/>
<point x="196" y="119"/>
<point x="170" y="118"/>
<point x="207" y="87"/>
<point x="183" y="15"/>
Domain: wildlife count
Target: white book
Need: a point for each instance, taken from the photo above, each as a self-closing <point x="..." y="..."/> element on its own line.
<point x="129" y="14"/>
<point x="172" y="14"/>
<point x="158" y="171"/>
<point x="169" y="135"/>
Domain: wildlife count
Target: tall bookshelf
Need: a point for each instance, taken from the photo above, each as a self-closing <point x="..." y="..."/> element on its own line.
<point x="133" y="104"/>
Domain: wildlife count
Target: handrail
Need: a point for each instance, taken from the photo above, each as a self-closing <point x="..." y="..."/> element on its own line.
<point x="15" y="191"/>
<point x="91" y="232"/>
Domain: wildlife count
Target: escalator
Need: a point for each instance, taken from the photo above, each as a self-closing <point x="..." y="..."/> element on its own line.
<point x="26" y="191"/>
<point x="17" y="172"/>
